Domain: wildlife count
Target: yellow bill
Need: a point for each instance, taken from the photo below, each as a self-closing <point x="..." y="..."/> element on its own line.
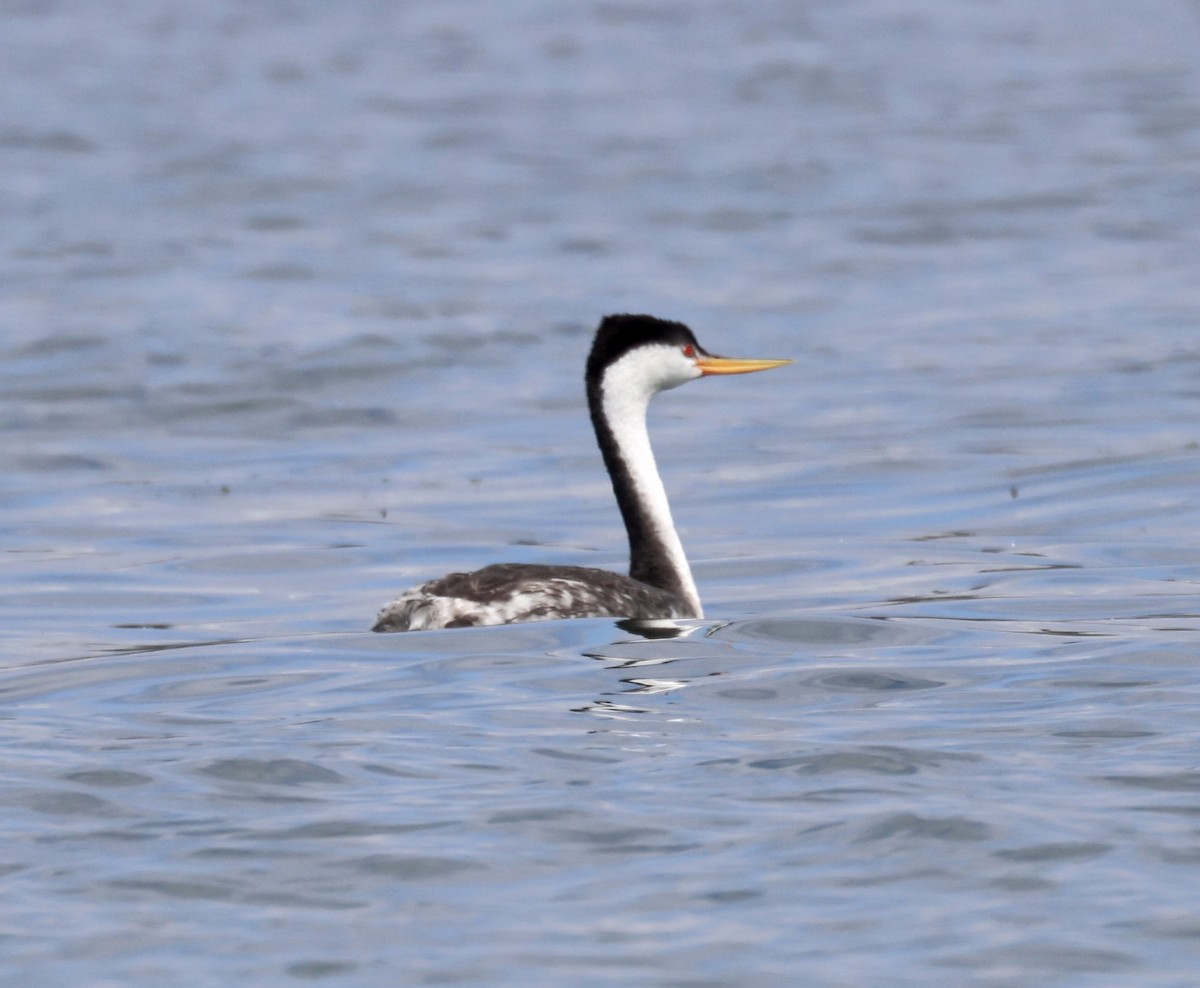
<point x="709" y="364"/>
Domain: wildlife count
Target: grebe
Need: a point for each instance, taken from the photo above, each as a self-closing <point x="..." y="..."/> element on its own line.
<point x="632" y="359"/>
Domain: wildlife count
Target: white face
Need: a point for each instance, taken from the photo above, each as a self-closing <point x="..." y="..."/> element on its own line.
<point x="647" y="370"/>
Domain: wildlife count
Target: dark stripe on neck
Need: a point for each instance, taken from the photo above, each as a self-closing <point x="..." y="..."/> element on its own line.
<point x="649" y="557"/>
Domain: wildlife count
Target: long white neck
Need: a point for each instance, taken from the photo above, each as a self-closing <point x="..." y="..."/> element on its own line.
<point x="619" y="406"/>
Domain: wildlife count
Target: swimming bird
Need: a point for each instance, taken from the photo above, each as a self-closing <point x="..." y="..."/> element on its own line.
<point x="633" y="358"/>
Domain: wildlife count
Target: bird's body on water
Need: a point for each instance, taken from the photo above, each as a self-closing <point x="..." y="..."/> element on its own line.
<point x="633" y="357"/>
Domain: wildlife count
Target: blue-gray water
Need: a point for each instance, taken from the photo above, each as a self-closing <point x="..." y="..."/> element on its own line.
<point x="294" y="299"/>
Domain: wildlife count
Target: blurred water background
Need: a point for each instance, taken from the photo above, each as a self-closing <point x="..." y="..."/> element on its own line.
<point x="294" y="299"/>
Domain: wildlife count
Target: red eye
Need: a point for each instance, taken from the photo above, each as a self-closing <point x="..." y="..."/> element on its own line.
<point x="689" y="351"/>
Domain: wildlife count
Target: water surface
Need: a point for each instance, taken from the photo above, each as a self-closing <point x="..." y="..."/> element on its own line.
<point x="295" y="303"/>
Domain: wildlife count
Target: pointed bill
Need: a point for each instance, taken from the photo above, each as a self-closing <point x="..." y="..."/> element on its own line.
<point x="709" y="364"/>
